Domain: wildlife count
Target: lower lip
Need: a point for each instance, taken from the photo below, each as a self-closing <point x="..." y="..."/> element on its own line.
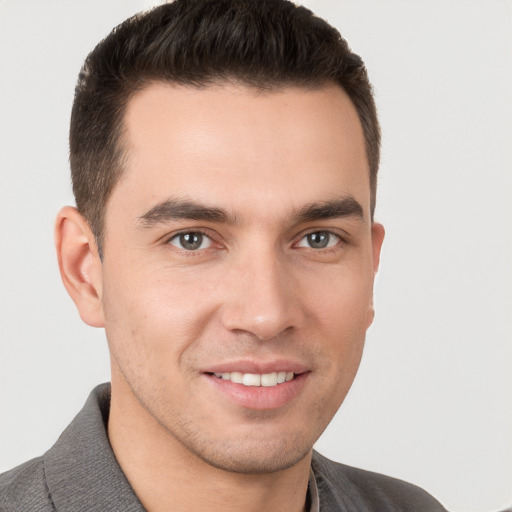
<point x="260" y="397"/>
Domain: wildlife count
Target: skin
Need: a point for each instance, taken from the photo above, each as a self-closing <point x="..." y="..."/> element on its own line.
<point x="256" y="292"/>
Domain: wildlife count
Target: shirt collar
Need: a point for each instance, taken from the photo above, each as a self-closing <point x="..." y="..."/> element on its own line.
<point x="82" y="472"/>
<point x="314" y="499"/>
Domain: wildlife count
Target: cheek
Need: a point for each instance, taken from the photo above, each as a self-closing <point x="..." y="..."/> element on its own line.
<point x="342" y="310"/>
<point x="343" y="302"/>
<point x="153" y="319"/>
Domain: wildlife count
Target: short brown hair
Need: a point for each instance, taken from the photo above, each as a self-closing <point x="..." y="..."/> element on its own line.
<point x="265" y="44"/>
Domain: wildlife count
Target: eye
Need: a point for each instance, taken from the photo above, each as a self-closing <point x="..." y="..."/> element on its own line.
<point x="319" y="240"/>
<point x="191" y="241"/>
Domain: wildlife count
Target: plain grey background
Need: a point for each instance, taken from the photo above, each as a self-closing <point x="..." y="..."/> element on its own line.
<point x="432" y="401"/>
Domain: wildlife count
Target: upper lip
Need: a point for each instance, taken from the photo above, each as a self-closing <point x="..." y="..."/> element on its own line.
<point x="258" y="367"/>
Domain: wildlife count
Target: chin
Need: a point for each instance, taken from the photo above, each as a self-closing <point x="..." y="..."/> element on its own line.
<point x="254" y="456"/>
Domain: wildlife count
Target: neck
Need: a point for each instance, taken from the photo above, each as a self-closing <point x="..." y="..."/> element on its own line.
<point x="167" y="476"/>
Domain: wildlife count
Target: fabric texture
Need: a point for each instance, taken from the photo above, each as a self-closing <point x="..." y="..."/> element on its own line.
<point x="80" y="474"/>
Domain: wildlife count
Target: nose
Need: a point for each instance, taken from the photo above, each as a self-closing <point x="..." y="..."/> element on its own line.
<point x="261" y="298"/>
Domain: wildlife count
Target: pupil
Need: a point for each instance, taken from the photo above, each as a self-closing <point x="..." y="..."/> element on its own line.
<point x="318" y="240"/>
<point x="191" y="241"/>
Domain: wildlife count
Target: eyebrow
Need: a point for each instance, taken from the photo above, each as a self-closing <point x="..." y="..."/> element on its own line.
<point x="176" y="209"/>
<point x="336" y="208"/>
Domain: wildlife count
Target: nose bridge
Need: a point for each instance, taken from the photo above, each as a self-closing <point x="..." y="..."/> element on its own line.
<point x="261" y="295"/>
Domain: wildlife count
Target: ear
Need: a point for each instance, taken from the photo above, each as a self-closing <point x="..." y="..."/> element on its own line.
<point x="378" y="233"/>
<point x="79" y="264"/>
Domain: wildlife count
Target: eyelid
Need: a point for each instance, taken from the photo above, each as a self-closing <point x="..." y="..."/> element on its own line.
<point x="205" y="239"/>
<point x="343" y="236"/>
<point x="330" y="232"/>
<point x="203" y="231"/>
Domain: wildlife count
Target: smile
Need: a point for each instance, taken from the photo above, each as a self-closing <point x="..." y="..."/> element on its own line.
<point x="257" y="379"/>
<point x="251" y="389"/>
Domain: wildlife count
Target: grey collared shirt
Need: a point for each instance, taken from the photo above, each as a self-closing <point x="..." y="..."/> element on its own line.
<point x="313" y="493"/>
<point x="80" y="474"/>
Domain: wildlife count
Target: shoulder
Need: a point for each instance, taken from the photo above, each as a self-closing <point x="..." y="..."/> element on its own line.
<point x="356" y="489"/>
<point x="24" y="488"/>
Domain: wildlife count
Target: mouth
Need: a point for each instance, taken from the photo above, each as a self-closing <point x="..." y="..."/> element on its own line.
<point x="259" y="391"/>
<point x="257" y="379"/>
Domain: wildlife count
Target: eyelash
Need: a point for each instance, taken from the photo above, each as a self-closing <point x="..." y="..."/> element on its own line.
<point x="329" y="248"/>
<point x="190" y="252"/>
<point x="330" y="234"/>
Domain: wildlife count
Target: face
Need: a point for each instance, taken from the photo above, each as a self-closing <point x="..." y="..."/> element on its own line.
<point x="238" y="268"/>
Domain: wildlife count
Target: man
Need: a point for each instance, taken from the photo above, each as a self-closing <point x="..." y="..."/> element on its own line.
<point x="224" y="157"/>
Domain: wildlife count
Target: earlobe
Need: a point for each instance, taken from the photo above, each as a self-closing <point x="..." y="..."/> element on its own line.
<point x="79" y="264"/>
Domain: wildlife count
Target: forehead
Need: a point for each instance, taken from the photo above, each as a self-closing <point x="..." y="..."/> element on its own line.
<point x="223" y="142"/>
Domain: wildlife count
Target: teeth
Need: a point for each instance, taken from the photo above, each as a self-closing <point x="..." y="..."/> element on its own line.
<point x="237" y="377"/>
<point x="269" y="379"/>
<point x="251" y="379"/>
<point x="256" y="379"/>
